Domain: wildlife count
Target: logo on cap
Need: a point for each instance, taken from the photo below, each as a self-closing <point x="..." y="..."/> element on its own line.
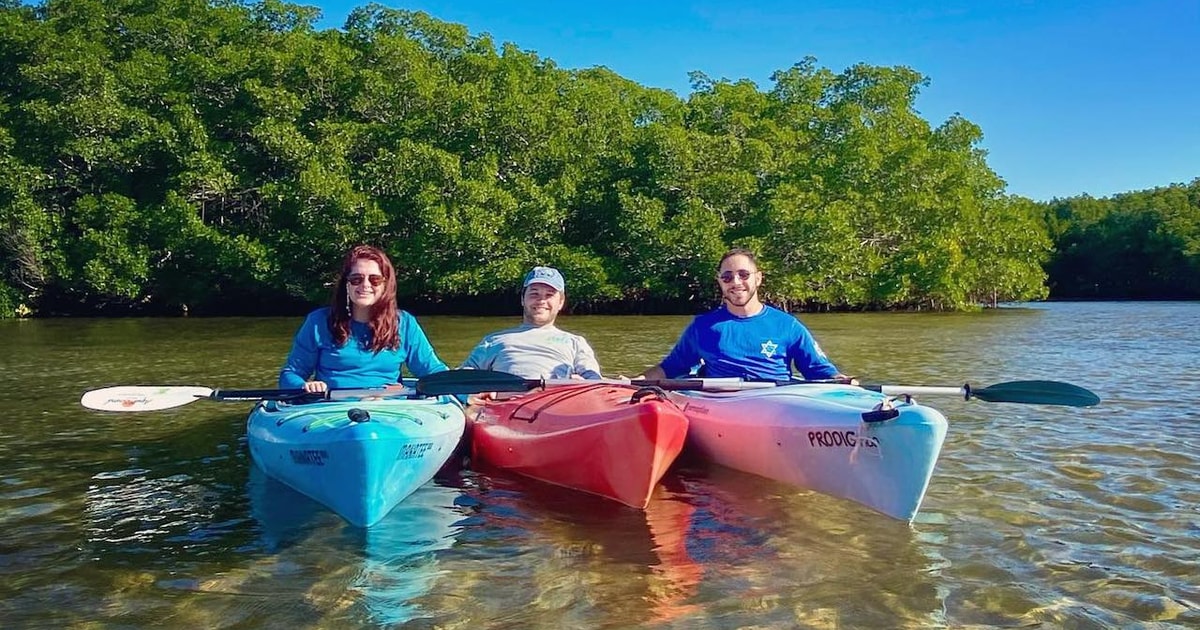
<point x="546" y="275"/>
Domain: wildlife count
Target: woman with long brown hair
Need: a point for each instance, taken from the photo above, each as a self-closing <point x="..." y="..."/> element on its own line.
<point x="361" y="339"/>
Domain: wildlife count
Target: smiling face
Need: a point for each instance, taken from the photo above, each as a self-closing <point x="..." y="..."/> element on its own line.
<point x="739" y="278"/>
<point x="542" y="303"/>
<point x="371" y="285"/>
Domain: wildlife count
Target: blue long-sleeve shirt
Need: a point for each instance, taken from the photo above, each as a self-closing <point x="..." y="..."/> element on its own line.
<point x="352" y="364"/>
<point x="762" y="346"/>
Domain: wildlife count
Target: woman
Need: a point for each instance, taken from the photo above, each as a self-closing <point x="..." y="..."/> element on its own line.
<point x="361" y="339"/>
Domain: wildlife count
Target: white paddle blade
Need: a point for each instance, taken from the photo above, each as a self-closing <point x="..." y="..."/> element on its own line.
<point x="128" y="398"/>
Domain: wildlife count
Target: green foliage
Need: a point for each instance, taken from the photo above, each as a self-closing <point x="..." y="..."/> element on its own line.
<point x="1132" y="246"/>
<point x="27" y="232"/>
<point x="223" y="154"/>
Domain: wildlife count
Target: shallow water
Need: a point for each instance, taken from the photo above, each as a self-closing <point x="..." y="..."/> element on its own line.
<point x="1049" y="516"/>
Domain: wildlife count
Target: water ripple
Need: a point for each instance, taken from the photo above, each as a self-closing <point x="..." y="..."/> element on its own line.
<point x="1036" y="516"/>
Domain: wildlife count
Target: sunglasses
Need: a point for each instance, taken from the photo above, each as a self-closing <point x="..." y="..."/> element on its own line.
<point x="727" y="276"/>
<point x="357" y="279"/>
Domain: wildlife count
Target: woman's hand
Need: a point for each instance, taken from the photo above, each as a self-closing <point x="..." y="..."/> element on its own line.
<point x="316" y="387"/>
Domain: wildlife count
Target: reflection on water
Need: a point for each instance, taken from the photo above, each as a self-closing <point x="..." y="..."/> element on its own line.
<point x="296" y="552"/>
<point x="590" y="561"/>
<point x="377" y="575"/>
<point x="787" y="557"/>
<point x="1036" y="516"/>
<point x="128" y="512"/>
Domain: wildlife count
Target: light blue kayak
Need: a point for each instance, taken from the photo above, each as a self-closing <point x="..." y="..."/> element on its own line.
<point x="359" y="458"/>
<point x="839" y="440"/>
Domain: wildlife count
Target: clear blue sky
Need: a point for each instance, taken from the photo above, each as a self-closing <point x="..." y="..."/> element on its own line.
<point x="1096" y="97"/>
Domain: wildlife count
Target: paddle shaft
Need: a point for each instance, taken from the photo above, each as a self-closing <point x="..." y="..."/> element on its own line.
<point x="900" y="390"/>
<point x="459" y="382"/>
<point x="669" y="384"/>
<point x="239" y="395"/>
<point x="1036" y="392"/>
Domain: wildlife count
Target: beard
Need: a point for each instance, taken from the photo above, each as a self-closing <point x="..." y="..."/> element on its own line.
<point x="739" y="300"/>
<point x="534" y="316"/>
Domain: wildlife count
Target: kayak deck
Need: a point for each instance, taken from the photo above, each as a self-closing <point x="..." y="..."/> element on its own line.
<point x="604" y="439"/>
<point x="814" y="436"/>
<point x="359" y="458"/>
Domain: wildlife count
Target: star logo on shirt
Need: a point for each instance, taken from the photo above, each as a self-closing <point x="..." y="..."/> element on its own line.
<point x="769" y="348"/>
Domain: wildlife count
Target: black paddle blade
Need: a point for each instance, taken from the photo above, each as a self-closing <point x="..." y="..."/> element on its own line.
<point x="1037" y="393"/>
<point x="472" y="382"/>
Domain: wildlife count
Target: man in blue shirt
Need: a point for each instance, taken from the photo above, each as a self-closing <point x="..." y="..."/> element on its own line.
<point x="745" y="338"/>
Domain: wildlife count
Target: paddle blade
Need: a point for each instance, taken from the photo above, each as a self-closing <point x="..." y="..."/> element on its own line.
<point x="472" y="382"/>
<point x="1037" y="393"/>
<point x="127" y="398"/>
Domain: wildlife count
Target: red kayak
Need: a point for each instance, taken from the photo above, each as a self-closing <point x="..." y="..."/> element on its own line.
<point x="611" y="440"/>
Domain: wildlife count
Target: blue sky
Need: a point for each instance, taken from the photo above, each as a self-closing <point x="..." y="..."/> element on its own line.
<point x="1074" y="97"/>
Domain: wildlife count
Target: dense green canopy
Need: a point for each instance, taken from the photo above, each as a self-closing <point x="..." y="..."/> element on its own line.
<point x="222" y="156"/>
<point x="1138" y="245"/>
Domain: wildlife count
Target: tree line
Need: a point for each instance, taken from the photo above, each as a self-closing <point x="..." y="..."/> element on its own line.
<point x="1137" y="245"/>
<point x="220" y="156"/>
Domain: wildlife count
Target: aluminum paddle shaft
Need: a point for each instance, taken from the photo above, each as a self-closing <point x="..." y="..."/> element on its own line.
<point x="1023" y="392"/>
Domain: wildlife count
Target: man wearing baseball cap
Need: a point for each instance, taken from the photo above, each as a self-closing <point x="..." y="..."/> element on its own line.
<point x="537" y="348"/>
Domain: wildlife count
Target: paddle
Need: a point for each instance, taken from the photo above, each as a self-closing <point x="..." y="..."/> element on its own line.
<point x="155" y="398"/>
<point x="129" y="398"/>
<point x="475" y="381"/>
<point x="138" y="398"/>
<point x="1024" y="392"/>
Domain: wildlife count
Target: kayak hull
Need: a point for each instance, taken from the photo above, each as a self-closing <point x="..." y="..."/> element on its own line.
<point x="358" y="458"/>
<point x="591" y="438"/>
<point x="814" y="436"/>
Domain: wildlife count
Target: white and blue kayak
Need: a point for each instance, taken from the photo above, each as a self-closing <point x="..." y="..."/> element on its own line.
<point x="839" y="440"/>
<point x="359" y="458"/>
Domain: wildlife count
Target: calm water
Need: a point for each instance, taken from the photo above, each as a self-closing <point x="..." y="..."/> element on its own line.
<point x="1037" y="516"/>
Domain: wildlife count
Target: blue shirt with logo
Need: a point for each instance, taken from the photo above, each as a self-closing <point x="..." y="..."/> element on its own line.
<point x="353" y="364"/>
<point x="764" y="346"/>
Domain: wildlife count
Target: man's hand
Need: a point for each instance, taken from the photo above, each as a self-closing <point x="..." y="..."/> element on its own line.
<point x="475" y="399"/>
<point x="845" y="380"/>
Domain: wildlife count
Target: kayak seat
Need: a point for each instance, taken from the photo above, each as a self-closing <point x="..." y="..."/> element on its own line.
<point x="649" y="390"/>
<point x="567" y="393"/>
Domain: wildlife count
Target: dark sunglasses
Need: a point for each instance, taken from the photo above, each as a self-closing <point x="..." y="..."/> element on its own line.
<point x="727" y="276"/>
<point x="357" y="279"/>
